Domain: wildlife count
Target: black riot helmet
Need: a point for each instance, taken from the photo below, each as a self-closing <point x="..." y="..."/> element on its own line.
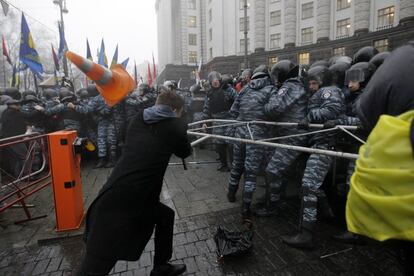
<point x="360" y="72"/>
<point x="321" y="74"/>
<point x="364" y="54"/>
<point x="343" y="59"/>
<point x="247" y="74"/>
<point x="27" y="93"/>
<point x="83" y="94"/>
<point x="65" y="95"/>
<point x="13" y="92"/>
<point x="30" y="98"/>
<point x="214" y="75"/>
<point x="92" y="90"/>
<point x="379" y="59"/>
<point x="338" y="71"/>
<point x="170" y="85"/>
<point x="144" y="88"/>
<point x="226" y="79"/>
<point x="260" y="71"/>
<point x="320" y="63"/>
<point x="50" y="94"/>
<point x="280" y="71"/>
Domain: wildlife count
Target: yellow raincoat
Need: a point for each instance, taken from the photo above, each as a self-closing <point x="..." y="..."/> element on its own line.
<point x="381" y="198"/>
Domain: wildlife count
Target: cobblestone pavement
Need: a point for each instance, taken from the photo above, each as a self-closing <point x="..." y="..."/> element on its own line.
<point x="198" y="196"/>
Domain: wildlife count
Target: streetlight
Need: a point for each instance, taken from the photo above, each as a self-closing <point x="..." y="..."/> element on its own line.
<point x="63" y="9"/>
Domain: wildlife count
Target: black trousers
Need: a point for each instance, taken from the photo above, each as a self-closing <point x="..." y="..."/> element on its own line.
<point x="163" y="218"/>
<point x="17" y="156"/>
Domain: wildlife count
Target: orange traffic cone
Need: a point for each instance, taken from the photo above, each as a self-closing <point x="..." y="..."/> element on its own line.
<point x="114" y="84"/>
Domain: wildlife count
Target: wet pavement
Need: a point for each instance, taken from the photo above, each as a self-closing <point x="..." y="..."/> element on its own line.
<point x="199" y="197"/>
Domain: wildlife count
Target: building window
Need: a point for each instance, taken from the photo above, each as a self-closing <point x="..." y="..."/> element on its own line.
<point x="192" y="21"/>
<point x="307" y="35"/>
<point x="192" y="39"/>
<point x="381" y="45"/>
<point x="304" y="58"/>
<point x="340" y="51"/>
<point x="342" y="4"/>
<point x="192" y="57"/>
<point x="192" y="4"/>
<point x="272" y="61"/>
<point x="241" y="5"/>
<point x="210" y="34"/>
<point x="275" y="40"/>
<point x="307" y="10"/>
<point x="210" y="15"/>
<point x="343" y="27"/>
<point x="242" y="44"/>
<point x="385" y="18"/>
<point x="210" y="51"/>
<point x="275" y="18"/>
<point x="241" y="23"/>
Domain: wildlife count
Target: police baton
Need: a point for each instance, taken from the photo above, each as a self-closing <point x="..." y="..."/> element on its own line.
<point x="184" y="164"/>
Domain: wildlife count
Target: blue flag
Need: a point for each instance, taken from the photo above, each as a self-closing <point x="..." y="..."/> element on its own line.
<point x="102" y="60"/>
<point x="28" y="54"/>
<point x="115" y="58"/>
<point x="125" y="63"/>
<point x="63" y="47"/>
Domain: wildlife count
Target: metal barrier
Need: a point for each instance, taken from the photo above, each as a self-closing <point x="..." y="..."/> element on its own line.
<point x="27" y="182"/>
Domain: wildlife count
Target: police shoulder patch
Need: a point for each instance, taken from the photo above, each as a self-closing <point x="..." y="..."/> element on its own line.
<point x="326" y="95"/>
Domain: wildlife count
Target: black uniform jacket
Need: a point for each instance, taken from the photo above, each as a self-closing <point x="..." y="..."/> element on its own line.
<point x="120" y="221"/>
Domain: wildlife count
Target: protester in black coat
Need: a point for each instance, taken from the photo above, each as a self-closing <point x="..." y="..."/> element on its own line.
<point x="122" y="218"/>
<point x="390" y="91"/>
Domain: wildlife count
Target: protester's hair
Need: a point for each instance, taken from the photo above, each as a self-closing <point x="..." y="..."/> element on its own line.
<point x="170" y="98"/>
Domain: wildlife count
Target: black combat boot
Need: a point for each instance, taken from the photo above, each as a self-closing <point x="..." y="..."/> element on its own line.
<point x="267" y="211"/>
<point x="246" y="213"/>
<point x="231" y="194"/>
<point x="222" y="152"/>
<point x="100" y="163"/>
<point x="304" y="239"/>
<point x="168" y="269"/>
<point x="325" y="209"/>
<point x="348" y="237"/>
<point x="111" y="162"/>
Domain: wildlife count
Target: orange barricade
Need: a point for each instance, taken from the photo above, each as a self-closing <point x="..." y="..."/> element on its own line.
<point x="67" y="185"/>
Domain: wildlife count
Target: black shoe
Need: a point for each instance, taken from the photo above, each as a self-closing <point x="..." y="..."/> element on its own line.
<point x="348" y="237"/>
<point x="231" y="194"/>
<point x="168" y="270"/>
<point x="110" y="164"/>
<point x="246" y="213"/>
<point x="100" y="164"/>
<point x="223" y="168"/>
<point x="266" y="211"/>
<point x="304" y="239"/>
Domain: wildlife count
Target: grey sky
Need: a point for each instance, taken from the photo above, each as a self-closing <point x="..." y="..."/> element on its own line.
<point x="130" y="23"/>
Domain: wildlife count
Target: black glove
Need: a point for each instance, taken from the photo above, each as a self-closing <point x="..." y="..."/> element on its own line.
<point x="329" y="124"/>
<point x="304" y="124"/>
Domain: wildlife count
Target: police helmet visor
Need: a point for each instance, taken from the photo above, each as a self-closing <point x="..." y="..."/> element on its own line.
<point x="356" y="75"/>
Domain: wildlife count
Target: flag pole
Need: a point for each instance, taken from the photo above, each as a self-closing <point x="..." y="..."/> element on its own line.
<point x="4" y="72"/>
<point x="35" y="83"/>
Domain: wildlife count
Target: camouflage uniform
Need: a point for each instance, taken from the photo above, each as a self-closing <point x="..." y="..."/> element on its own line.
<point x="288" y="104"/>
<point x="88" y="126"/>
<point x="107" y="137"/>
<point x="324" y="105"/>
<point x="249" y="105"/>
<point x="53" y="120"/>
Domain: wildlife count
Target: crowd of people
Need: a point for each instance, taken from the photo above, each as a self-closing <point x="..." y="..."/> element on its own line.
<point x="325" y="93"/>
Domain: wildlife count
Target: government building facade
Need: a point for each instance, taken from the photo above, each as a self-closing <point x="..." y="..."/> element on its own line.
<point x="212" y="32"/>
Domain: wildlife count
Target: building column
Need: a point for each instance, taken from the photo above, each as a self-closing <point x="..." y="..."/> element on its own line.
<point x="323" y="20"/>
<point x="259" y="25"/>
<point x="290" y="23"/>
<point x="362" y="16"/>
<point x="406" y="11"/>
